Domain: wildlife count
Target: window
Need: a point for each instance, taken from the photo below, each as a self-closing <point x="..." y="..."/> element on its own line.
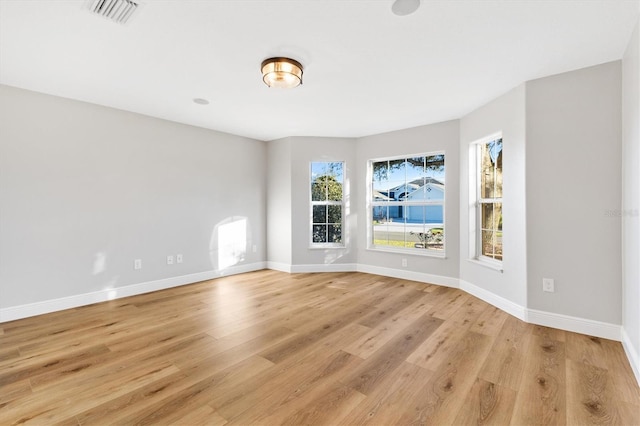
<point x="327" y="207"/>
<point x="489" y="199"/>
<point x="406" y="199"/>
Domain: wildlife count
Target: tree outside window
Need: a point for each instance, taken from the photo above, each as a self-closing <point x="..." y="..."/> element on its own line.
<point x="327" y="195"/>
<point x="490" y="198"/>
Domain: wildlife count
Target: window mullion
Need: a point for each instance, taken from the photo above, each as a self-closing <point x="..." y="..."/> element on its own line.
<point x="327" y="181"/>
<point x="402" y="215"/>
<point x="488" y="155"/>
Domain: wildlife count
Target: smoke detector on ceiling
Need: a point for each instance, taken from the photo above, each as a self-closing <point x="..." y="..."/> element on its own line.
<point x="119" y="11"/>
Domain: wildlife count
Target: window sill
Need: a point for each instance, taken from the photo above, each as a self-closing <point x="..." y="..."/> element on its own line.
<point x="327" y="246"/>
<point x="424" y="253"/>
<point x="496" y="266"/>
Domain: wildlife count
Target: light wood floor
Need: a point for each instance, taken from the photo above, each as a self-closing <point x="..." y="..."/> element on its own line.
<point x="273" y="348"/>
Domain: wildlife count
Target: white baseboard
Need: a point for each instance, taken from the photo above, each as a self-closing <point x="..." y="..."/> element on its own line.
<point x="548" y="319"/>
<point x="409" y="275"/>
<point x="632" y="354"/>
<point x="493" y="299"/>
<point x="328" y="267"/>
<point x="278" y="266"/>
<point x="575" y="324"/>
<point x="47" y="306"/>
<point x="564" y="322"/>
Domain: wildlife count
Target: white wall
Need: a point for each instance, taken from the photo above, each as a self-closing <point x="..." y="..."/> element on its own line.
<point x="304" y="151"/>
<point x="85" y="190"/>
<point x="424" y="139"/>
<point x="631" y="199"/>
<point x="573" y="163"/>
<point x="279" y="232"/>
<point x="505" y="114"/>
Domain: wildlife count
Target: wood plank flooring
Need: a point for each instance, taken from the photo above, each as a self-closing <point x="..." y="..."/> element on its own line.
<point x="329" y="349"/>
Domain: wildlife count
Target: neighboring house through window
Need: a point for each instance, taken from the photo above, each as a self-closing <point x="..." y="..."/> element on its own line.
<point x="488" y="194"/>
<point x="406" y="200"/>
<point x="327" y="204"/>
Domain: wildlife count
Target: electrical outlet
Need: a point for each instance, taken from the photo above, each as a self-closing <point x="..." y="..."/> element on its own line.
<point x="170" y="260"/>
<point x="137" y="264"/>
<point x="178" y="258"/>
<point x="548" y="285"/>
<point x="254" y="248"/>
<point x="404" y="263"/>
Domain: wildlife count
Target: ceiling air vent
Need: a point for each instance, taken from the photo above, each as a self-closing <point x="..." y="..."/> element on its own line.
<point x="116" y="10"/>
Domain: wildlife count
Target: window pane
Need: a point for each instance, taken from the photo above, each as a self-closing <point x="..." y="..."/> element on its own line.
<point x="491" y="169"/>
<point x="416" y="173"/>
<point x="415" y="238"/>
<point x="395" y="185"/>
<point x="380" y="177"/>
<point x="334" y="214"/>
<point x="334" y="189"/>
<point x="436" y="238"/>
<point x="319" y="214"/>
<point x="318" y="185"/>
<point x="334" y="179"/>
<point x="326" y="181"/>
<point x="491" y="216"/>
<point x="424" y="214"/>
<point x="380" y="226"/>
<point x="378" y="196"/>
<point x="492" y="244"/>
<point x="380" y="214"/>
<point x="335" y="233"/>
<point x="335" y="170"/>
<point x="495" y="151"/>
<point x="417" y="215"/>
<point x="398" y="234"/>
<point x="319" y="189"/>
<point x="497" y="216"/>
<point x="431" y="238"/>
<point x="487" y="219"/>
<point x="488" y="244"/>
<point x="435" y="166"/>
<point x="319" y="234"/>
<point x="392" y="235"/>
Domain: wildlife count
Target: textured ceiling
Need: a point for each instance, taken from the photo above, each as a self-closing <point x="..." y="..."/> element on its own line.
<point x="367" y="70"/>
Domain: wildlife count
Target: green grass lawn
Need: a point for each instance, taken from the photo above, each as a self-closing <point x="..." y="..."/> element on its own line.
<point x="403" y="244"/>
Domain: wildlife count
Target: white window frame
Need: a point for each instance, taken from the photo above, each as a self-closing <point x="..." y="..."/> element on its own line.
<point x="476" y="200"/>
<point x="315" y="245"/>
<point x="371" y="204"/>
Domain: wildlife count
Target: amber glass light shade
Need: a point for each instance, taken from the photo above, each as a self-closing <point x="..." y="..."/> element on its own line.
<point x="281" y="72"/>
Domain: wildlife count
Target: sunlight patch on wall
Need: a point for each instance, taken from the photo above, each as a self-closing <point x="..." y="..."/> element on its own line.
<point x="229" y="242"/>
<point x="111" y="288"/>
<point x="99" y="263"/>
<point x="334" y="255"/>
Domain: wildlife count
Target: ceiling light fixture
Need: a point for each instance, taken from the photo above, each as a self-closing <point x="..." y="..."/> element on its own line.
<point x="405" y="7"/>
<point x="281" y="72"/>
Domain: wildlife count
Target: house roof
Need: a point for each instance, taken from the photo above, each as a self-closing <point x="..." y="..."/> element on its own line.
<point x="438" y="187"/>
<point x="377" y="195"/>
<point x="423" y="181"/>
<point x="412" y="185"/>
